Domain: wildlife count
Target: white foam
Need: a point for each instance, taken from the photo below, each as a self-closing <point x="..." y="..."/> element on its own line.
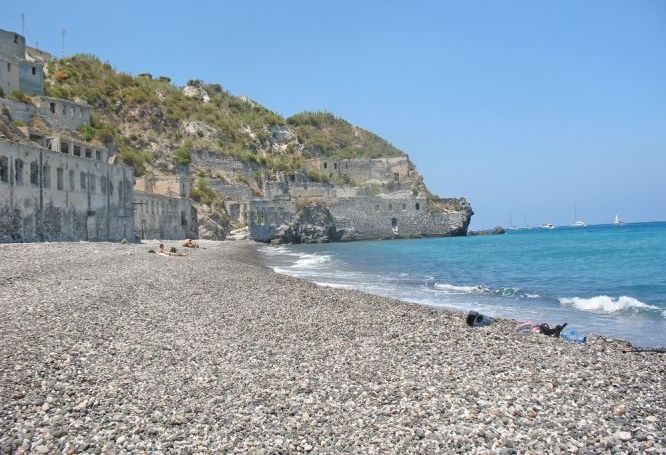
<point x="311" y="260"/>
<point x="334" y="285"/>
<point x="465" y="289"/>
<point x="607" y="304"/>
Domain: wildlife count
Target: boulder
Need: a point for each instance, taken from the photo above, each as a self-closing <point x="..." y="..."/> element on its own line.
<point x="311" y="224"/>
<point x="498" y="230"/>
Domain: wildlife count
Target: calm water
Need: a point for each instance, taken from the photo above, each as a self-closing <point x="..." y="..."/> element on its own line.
<point x="606" y="279"/>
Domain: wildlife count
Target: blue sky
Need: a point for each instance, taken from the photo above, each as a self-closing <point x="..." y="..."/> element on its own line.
<point x="523" y="107"/>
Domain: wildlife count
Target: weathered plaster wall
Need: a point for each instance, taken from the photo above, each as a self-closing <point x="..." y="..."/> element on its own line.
<point x="16" y="72"/>
<point x="62" y="114"/>
<point x="59" y="114"/>
<point x="265" y="217"/>
<point x="158" y="216"/>
<point x="48" y="196"/>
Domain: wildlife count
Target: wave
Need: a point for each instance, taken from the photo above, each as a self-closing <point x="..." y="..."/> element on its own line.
<point x="461" y="289"/>
<point x="481" y="289"/>
<point x="608" y="304"/>
<point x="311" y="260"/>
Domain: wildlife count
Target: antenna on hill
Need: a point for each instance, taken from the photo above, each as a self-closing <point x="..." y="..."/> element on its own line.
<point x="22" y="24"/>
<point x="63" y="33"/>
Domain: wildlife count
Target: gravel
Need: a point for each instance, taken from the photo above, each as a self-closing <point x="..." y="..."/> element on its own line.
<point x="106" y="347"/>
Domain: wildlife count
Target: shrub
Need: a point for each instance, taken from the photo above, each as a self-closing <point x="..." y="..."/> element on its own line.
<point x="136" y="159"/>
<point x="203" y="192"/>
<point x="88" y="132"/>
<point x="19" y="96"/>
<point x="183" y="156"/>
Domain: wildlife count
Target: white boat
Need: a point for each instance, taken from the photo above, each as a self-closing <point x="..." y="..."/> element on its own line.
<point x="577" y="222"/>
<point x="618" y="220"/>
<point x="547" y="226"/>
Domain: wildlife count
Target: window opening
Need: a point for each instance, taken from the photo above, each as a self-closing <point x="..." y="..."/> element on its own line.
<point x="4" y="169"/>
<point x="18" y="171"/>
<point x="34" y="173"/>
<point x="60" y="179"/>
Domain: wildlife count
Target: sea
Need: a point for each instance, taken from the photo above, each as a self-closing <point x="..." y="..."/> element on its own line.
<point x="604" y="279"/>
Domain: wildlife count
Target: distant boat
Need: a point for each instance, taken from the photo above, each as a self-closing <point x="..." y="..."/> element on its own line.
<point x="618" y="220"/>
<point x="547" y="226"/>
<point x="577" y="222"/>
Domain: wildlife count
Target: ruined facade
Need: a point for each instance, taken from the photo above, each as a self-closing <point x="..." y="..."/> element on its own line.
<point x="19" y="71"/>
<point x="395" y="169"/>
<point x="392" y="204"/>
<point x="370" y="217"/>
<point x="56" y="187"/>
<point x="48" y="194"/>
<point x="163" y="208"/>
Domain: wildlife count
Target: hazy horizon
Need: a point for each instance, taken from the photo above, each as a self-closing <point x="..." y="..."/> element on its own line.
<point x="525" y="109"/>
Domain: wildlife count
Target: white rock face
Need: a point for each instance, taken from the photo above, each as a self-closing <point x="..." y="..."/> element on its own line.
<point x="196" y="92"/>
<point x="201" y="129"/>
<point x="282" y="134"/>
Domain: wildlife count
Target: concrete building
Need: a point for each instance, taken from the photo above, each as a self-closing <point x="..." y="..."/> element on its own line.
<point x="19" y="71"/>
<point x="163" y="208"/>
<point x="56" y="187"/>
<point x="49" y="194"/>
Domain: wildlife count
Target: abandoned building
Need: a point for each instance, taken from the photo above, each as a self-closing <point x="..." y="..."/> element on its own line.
<point x="163" y="208"/>
<point x="56" y="187"/>
<point x="52" y="194"/>
<point x="19" y="70"/>
<point x="394" y="169"/>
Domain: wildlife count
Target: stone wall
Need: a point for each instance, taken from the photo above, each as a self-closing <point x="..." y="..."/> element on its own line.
<point x="18" y="111"/>
<point x="371" y="217"/>
<point x="52" y="196"/>
<point x="224" y="165"/>
<point x="238" y="193"/>
<point x="59" y="114"/>
<point x="158" y="216"/>
<point x="362" y="170"/>
<point x="377" y="217"/>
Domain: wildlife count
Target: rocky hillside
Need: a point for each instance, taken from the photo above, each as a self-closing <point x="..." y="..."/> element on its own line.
<point x="230" y="143"/>
<point x="156" y="123"/>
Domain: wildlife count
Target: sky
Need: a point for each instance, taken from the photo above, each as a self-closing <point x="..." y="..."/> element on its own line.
<point x="528" y="109"/>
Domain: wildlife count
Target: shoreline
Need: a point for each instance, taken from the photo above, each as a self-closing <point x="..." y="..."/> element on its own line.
<point x="106" y="347"/>
<point x="576" y="317"/>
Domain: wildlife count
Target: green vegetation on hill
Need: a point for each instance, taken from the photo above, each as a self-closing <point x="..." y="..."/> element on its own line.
<point x="138" y="111"/>
<point x="322" y="133"/>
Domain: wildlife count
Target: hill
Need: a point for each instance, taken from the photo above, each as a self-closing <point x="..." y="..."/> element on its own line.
<point x="156" y="123"/>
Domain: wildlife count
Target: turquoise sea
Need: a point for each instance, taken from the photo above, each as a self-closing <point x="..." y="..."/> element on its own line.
<point x="604" y="279"/>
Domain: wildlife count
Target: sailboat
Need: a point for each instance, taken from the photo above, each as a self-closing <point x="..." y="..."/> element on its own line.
<point x="577" y="222"/>
<point x="618" y="220"/>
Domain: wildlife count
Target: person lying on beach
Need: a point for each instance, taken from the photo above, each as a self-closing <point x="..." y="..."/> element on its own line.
<point x="190" y="244"/>
<point x="173" y="252"/>
<point x="545" y="329"/>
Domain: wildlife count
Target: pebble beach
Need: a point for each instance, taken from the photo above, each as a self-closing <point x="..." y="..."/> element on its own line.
<point x="106" y="348"/>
